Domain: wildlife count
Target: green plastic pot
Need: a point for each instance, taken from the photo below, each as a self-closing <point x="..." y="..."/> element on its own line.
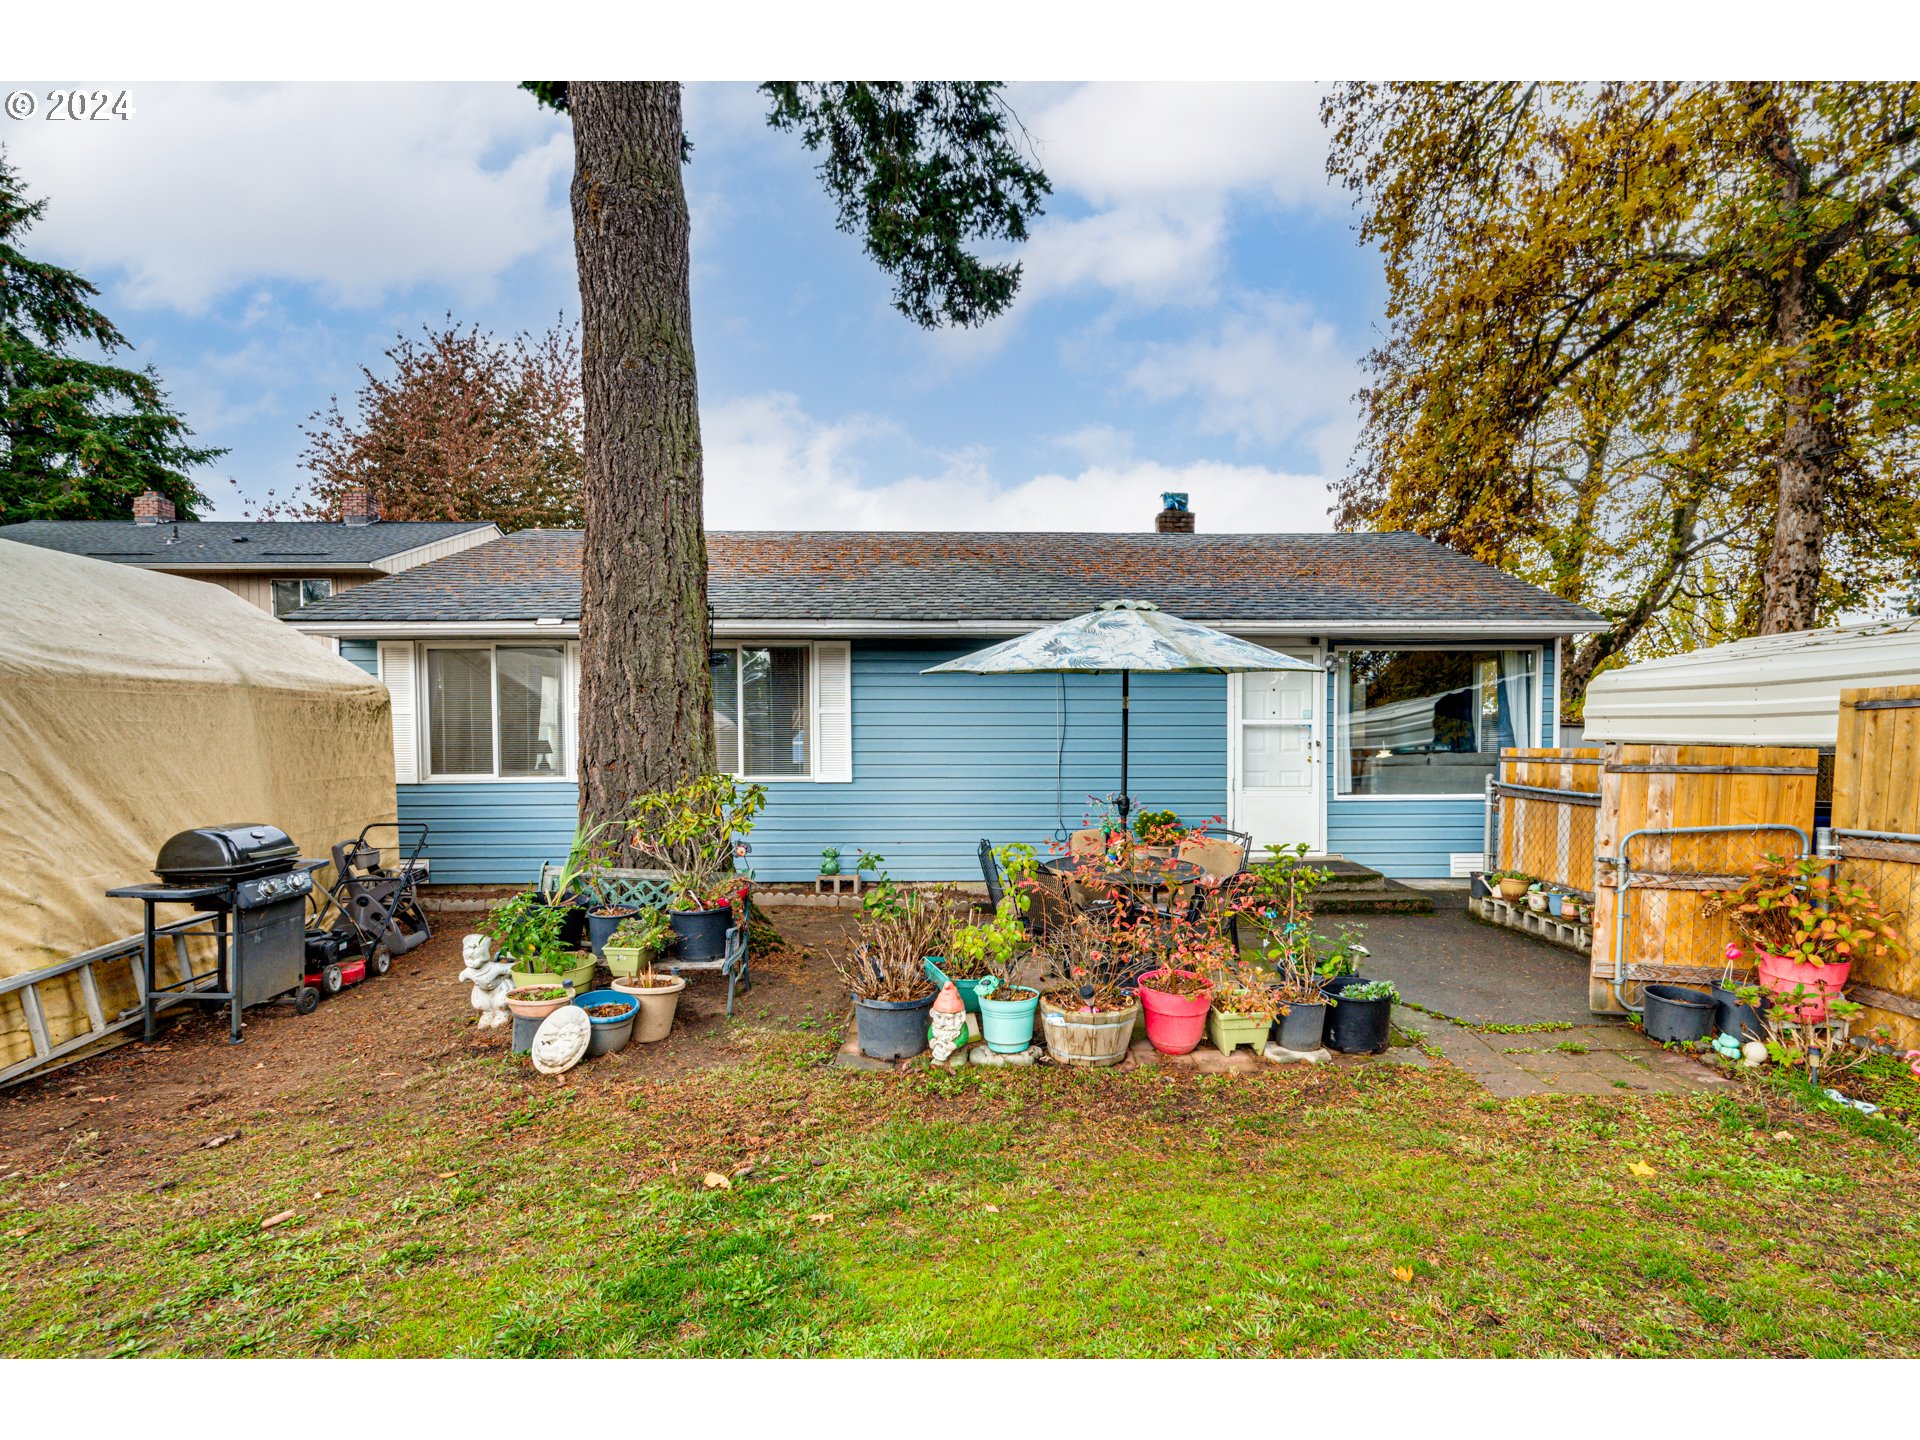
<point x="969" y="989"/>
<point x="627" y="961"/>
<point x="1229" y="1031"/>
<point x="580" y="977"/>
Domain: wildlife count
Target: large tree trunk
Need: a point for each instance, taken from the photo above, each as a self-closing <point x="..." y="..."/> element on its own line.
<point x="1791" y="581"/>
<point x="645" y="698"/>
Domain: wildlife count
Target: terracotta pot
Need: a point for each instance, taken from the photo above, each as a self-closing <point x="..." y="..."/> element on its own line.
<point x="1512" y="889"/>
<point x="1780" y="977"/>
<point x="1175" y="1023"/>
<point x="537" y="1009"/>
<point x="657" y="1006"/>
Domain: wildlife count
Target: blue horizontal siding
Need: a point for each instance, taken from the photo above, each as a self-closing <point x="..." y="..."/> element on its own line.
<point x="493" y="834"/>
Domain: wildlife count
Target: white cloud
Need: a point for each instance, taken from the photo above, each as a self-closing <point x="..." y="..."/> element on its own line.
<point x="1269" y="373"/>
<point x="770" y="466"/>
<point x="1145" y="253"/>
<point x="1126" y="143"/>
<point x="362" y="190"/>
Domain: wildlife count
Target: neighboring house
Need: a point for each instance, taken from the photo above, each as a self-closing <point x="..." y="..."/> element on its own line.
<point x="278" y="565"/>
<point x="1428" y="662"/>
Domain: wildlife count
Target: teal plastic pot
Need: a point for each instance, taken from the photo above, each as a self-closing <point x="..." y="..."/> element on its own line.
<point x="969" y="989"/>
<point x="1008" y="1024"/>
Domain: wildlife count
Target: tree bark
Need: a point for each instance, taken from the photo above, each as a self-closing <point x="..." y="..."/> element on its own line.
<point x="646" y="700"/>
<point x="1791" y="581"/>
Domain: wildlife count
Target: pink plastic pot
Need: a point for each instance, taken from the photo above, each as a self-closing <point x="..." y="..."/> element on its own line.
<point x="1780" y="977"/>
<point x="1175" y="1023"/>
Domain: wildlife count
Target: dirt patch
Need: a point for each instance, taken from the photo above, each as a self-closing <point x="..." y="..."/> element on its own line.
<point x="133" y="1108"/>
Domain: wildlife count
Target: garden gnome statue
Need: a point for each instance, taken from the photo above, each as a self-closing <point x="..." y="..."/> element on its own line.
<point x="948" y="1030"/>
<point x="491" y="980"/>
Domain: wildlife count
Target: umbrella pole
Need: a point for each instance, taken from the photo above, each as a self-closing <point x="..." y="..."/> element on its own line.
<point x="1125" y="803"/>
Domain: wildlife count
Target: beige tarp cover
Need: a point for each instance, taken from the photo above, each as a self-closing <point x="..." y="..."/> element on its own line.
<point x="135" y="705"/>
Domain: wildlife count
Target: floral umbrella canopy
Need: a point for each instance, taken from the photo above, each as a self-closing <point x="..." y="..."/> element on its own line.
<point x="1123" y="636"/>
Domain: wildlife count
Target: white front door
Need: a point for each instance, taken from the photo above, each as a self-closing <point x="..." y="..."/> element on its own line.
<point x="1274" y="755"/>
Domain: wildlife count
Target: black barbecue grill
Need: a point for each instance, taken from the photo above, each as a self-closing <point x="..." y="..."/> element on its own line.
<point x="253" y="884"/>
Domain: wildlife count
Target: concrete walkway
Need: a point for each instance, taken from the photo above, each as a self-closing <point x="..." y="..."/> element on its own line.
<point x="1454" y="966"/>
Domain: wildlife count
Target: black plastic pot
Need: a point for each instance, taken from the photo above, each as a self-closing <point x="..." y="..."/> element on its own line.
<point x="1477" y="886"/>
<point x="600" y="928"/>
<point x="700" y="934"/>
<point x="1675" y="1014"/>
<point x="573" y="925"/>
<point x="1356" y="1027"/>
<point x="892" y="1029"/>
<point x="1733" y="1017"/>
<point x="1303" y="1027"/>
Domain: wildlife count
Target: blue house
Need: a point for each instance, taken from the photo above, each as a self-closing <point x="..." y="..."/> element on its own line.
<point x="1426" y="663"/>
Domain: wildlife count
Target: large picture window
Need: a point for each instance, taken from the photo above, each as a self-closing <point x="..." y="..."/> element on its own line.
<point x="1431" y="722"/>
<point x="496" y="711"/>
<point x="760" y="711"/>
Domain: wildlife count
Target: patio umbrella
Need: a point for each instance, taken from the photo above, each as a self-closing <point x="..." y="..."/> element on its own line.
<point x="1122" y="636"/>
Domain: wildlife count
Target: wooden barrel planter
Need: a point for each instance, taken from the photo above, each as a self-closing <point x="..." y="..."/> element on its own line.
<point x="1087" y="1037"/>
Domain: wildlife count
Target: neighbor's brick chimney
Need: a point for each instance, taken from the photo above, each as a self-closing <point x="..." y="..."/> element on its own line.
<point x="360" y="507"/>
<point x="1174" y="517"/>
<point x="150" y="507"/>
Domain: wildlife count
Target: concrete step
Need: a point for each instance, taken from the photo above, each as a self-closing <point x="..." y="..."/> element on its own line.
<point x="1389" y="897"/>
<point x="1347" y="877"/>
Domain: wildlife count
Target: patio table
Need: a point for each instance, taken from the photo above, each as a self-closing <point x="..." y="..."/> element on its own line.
<point x="1140" y="881"/>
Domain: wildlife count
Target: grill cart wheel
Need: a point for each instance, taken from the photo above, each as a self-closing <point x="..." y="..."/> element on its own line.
<point x="380" y="962"/>
<point x="306" y="1000"/>
<point x="331" y="981"/>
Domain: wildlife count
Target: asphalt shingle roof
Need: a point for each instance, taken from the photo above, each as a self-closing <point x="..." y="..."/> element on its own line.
<point x="865" y="575"/>
<point x="251" y="544"/>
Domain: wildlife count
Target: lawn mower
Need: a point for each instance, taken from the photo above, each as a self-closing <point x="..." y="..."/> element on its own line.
<point x="369" y="913"/>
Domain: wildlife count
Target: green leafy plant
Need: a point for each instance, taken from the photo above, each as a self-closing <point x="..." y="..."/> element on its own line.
<point x="526" y="929"/>
<point x="589" y="852"/>
<point x="1799" y="910"/>
<point x="1158" y="827"/>
<point x="690" y="832"/>
<point x="1272" y="902"/>
<point x="990" y="947"/>
<point x="1371" y="990"/>
<point x="646" y="931"/>
<point x="1342" y="954"/>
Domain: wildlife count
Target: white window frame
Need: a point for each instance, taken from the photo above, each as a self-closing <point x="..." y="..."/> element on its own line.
<point x="302" y="581"/>
<point x="813" y="707"/>
<point x="1342" y="691"/>
<point x="569" y="692"/>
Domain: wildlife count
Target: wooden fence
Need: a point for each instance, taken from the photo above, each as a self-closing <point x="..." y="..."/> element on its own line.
<point x="1876" y="831"/>
<point x="1545" y="801"/>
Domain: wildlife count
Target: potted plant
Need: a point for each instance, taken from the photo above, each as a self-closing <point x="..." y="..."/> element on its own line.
<point x="1245" y="1006"/>
<point x="1159" y="832"/>
<point x="526" y="930"/>
<point x="1511" y="884"/>
<point x="1272" y="905"/>
<point x="690" y="832"/>
<point x="1086" y="1014"/>
<point x="976" y="953"/>
<point x="997" y="947"/>
<point x="1806" y="928"/>
<point x="657" y="993"/>
<point x="537" y="1001"/>
<point x="1536" y="898"/>
<point x="611" y="1013"/>
<point x="568" y="889"/>
<point x="635" y="942"/>
<point x="1360" y="1022"/>
<point x="602" y="922"/>
<point x="886" y="972"/>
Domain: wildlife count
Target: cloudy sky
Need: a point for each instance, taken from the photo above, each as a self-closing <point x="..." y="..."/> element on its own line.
<point x="1193" y="305"/>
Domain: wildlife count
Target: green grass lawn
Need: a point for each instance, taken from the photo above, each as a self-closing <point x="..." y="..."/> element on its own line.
<point x="1369" y="1210"/>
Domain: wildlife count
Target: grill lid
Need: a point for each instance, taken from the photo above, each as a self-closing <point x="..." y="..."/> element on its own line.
<point x="225" y="852"/>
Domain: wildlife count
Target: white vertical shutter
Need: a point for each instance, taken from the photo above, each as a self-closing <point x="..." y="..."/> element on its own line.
<point x="397" y="671"/>
<point x="833" y="712"/>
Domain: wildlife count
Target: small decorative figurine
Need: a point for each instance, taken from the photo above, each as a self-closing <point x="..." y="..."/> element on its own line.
<point x="830" y="861"/>
<point x="561" y="1040"/>
<point x="947" y="1031"/>
<point x="1753" y="1054"/>
<point x="1726" y="1046"/>
<point x="491" y="979"/>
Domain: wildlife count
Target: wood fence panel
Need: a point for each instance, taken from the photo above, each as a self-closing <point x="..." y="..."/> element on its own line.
<point x="1876" y="787"/>
<point x="1672" y="787"/>
<point x="1550" y="839"/>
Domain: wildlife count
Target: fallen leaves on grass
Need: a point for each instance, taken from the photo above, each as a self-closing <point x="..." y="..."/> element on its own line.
<point x="821" y="1217"/>
<point x="272" y="1220"/>
<point x="1402" y="1273"/>
<point x="1640" y="1168"/>
<point x="218" y="1140"/>
<point x="716" y="1181"/>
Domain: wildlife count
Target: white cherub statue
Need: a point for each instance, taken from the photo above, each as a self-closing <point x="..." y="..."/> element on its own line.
<point x="491" y="980"/>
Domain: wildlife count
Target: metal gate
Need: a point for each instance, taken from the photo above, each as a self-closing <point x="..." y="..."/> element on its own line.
<point x="1660" y="882"/>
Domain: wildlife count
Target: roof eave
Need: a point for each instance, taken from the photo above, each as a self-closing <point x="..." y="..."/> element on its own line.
<point x="733" y="628"/>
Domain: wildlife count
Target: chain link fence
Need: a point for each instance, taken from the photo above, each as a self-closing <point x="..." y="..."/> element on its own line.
<point x="1888" y="864"/>
<point x="1544" y="833"/>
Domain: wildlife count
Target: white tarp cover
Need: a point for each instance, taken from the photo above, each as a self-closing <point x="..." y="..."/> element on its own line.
<point x="134" y="705"/>
<point x="1770" y="690"/>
